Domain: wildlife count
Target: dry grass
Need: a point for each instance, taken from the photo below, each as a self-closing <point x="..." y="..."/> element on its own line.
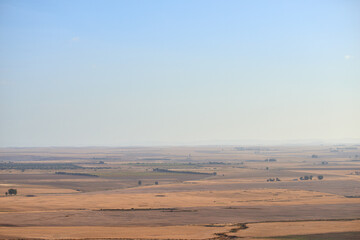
<point x="98" y="200"/>
<point x="273" y="229"/>
<point x="239" y="191"/>
<point x="170" y="232"/>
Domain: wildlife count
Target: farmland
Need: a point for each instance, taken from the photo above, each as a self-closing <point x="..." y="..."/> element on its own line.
<point x="202" y="192"/>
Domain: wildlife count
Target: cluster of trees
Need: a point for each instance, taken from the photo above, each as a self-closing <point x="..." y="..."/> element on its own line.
<point x="270" y="160"/>
<point x="320" y="177"/>
<point x="140" y="183"/>
<point x="273" y="180"/>
<point x="11" y="191"/>
<point x="219" y="163"/>
<point x="306" y="177"/>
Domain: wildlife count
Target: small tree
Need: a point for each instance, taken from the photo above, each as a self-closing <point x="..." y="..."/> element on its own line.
<point x="156" y="183"/>
<point x="12" y="191"/>
<point x="320" y="177"/>
<point x="139" y="182"/>
<point x="6" y="193"/>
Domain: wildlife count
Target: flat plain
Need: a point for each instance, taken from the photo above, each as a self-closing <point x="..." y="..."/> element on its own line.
<point x="200" y="192"/>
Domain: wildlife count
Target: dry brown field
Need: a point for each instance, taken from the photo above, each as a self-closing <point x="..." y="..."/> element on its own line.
<point x="120" y="193"/>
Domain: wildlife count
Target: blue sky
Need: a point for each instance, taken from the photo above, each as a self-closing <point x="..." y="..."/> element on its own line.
<point x="87" y="73"/>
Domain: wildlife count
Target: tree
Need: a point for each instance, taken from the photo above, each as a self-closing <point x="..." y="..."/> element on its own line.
<point x="139" y="182"/>
<point x="12" y="191"/>
<point x="6" y="193"/>
<point x="320" y="177"/>
<point x="156" y="183"/>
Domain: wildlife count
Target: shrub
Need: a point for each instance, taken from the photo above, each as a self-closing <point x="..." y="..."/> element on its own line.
<point x="12" y="191"/>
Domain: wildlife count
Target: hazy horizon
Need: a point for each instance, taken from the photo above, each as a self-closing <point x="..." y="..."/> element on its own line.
<point x="125" y="73"/>
<point x="248" y="142"/>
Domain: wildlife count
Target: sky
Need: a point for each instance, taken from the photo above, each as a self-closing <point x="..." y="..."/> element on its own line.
<point x="151" y="72"/>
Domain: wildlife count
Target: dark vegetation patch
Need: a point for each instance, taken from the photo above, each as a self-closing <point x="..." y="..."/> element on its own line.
<point x="241" y="208"/>
<point x="218" y="163"/>
<point x="77" y="174"/>
<point x="223" y="236"/>
<point x="183" y="172"/>
<point x="137" y="209"/>
<point x="7" y="225"/>
<point x="180" y="210"/>
<point x="43" y="166"/>
<point x="238" y="227"/>
<point x="215" y="225"/>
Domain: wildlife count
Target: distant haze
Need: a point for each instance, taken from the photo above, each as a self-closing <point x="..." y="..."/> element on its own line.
<point x="98" y="73"/>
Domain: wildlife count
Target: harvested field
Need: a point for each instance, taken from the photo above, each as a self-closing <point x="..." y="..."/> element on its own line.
<point x="278" y="229"/>
<point x="129" y="199"/>
<point x="103" y="232"/>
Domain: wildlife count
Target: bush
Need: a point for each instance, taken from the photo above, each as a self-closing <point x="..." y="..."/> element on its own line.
<point x="12" y="191"/>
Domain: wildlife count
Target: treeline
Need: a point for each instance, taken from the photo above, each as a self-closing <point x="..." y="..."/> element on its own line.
<point x="77" y="174"/>
<point x="217" y="163"/>
<point x="184" y="172"/>
<point x="44" y="166"/>
<point x="270" y="160"/>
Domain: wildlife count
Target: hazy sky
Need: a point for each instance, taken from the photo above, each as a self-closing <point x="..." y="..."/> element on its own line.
<point x="79" y="73"/>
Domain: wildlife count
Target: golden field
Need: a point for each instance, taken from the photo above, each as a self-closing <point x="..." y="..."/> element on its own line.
<point x="114" y="193"/>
